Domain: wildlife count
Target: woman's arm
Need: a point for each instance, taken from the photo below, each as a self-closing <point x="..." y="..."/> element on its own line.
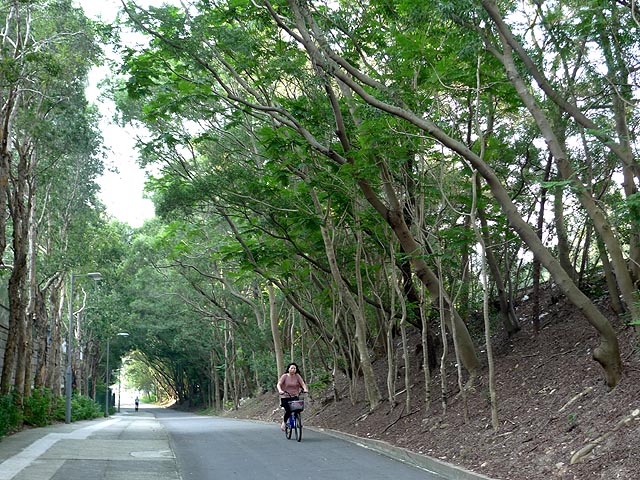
<point x="279" y="385"/>
<point x="304" y="385"/>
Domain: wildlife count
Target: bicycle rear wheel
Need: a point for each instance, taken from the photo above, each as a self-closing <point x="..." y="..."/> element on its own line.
<point x="298" y="427"/>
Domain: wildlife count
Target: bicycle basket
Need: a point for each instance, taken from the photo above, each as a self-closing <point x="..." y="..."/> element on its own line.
<point x="296" y="405"/>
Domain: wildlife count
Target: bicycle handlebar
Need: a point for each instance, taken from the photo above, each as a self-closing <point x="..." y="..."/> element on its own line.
<point x="289" y="395"/>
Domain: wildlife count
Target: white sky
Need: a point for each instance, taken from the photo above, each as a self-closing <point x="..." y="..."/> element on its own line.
<point x="121" y="191"/>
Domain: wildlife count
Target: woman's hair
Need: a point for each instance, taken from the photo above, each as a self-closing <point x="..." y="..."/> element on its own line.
<point x="295" y="365"/>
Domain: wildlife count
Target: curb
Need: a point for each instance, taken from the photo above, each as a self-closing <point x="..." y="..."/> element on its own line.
<point x="433" y="465"/>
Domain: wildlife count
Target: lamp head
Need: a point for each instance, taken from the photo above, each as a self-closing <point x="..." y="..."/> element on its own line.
<point x="94" y="275"/>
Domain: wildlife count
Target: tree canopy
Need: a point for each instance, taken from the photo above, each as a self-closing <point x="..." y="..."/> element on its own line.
<point x="326" y="176"/>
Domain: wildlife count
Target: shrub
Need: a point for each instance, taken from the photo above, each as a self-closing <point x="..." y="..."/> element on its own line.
<point x="59" y="409"/>
<point x="82" y="408"/>
<point x="10" y="417"/>
<point x="148" y="398"/>
<point x="38" y="409"/>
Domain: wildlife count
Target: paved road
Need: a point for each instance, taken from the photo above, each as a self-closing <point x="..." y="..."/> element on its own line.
<point x="219" y="448"/>
<point x="159" y="444"/>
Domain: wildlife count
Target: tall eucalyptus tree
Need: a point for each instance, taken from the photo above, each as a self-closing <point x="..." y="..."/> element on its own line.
<point x="49" y="49"/>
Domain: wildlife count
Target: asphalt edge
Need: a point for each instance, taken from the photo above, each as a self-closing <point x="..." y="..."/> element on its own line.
<point x="433" y="465"/>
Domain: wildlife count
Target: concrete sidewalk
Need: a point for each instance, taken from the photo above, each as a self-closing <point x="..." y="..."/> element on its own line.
<point x="125" y="446"/>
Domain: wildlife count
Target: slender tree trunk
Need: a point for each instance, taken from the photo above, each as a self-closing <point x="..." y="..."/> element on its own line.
<point x="390" y="347"/>
<point x="445" y="349"/>
<point x="508" y="315"/>
<point x="371" y="388"/>
<point x="403" y="336"/>
<point x="78" y="364"/>
<point x="234" y="369"/>
<point x="216" y="383"/>
<point x="564" y="251"/>
<point x="612" y="286"/>
<point x="425" y="354"/>
<point x="275" y="330"/>
<point x="54" y="361"/>
<point x="536" y="263"/>
<point x="31" y="286"/>
<point x="227" y="367"/>
<point x="485" y="311"/>
<point x="41" y="322"/>
<point x="292" y="334"/>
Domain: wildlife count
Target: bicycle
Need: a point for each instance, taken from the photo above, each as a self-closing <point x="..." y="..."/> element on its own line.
<point x="294" y="423"/>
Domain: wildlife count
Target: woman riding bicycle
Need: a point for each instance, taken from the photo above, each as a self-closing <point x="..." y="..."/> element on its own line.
<point x="289" y="387"/>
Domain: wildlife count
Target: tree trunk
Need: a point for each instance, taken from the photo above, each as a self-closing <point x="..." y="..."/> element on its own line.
<point x="371" y="387"/>
<point x="485" y="308"/>
<point x="54" y="361"/>
<point x="425" y="353"/>
<point x="275" y="330"/>
<point x="536" y="263"/>
<point x="612" y="286"/>
<point x="31" y="284"/>
<point x="403" y="335"/>
<point x="411" y="248"/>
<point x="564" y="251"/>
<point x="18" y="279"/>
<point x="41" y="322"/>
<point x="227" y="367"/>
<point x="508" y="315"/>
<point x="389" y="328"/>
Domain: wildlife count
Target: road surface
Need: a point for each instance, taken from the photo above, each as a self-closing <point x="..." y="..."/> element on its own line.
<point x="163" y="444"/>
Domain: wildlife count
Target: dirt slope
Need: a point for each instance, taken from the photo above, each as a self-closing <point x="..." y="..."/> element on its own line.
<point x="552" y="403"/>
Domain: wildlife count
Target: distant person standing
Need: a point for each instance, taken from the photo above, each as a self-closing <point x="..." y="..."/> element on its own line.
<point x="137" y="403"/>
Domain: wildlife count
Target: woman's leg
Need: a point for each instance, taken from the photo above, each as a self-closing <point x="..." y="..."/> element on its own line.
<point x="287" y="411"/>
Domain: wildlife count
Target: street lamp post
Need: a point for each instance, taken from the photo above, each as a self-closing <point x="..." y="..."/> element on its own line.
<point x="106" y="385"/>
<point x="119" y="386"/>
<point x="106" y="393"/>
<point x="68" y="378"/>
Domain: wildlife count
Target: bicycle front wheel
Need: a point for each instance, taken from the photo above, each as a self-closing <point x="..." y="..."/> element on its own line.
<point x="298" y="427"/>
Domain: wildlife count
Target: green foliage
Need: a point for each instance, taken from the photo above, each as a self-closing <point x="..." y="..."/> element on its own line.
<point x="10" y="417"/>
<point x="82" y="408"/>
<point x="633" y="205"/>
<point x="39" y="407"/>
<point x="149" y="398"/>
<point x="321" y="382"/>
<point x="264" y="366"/>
